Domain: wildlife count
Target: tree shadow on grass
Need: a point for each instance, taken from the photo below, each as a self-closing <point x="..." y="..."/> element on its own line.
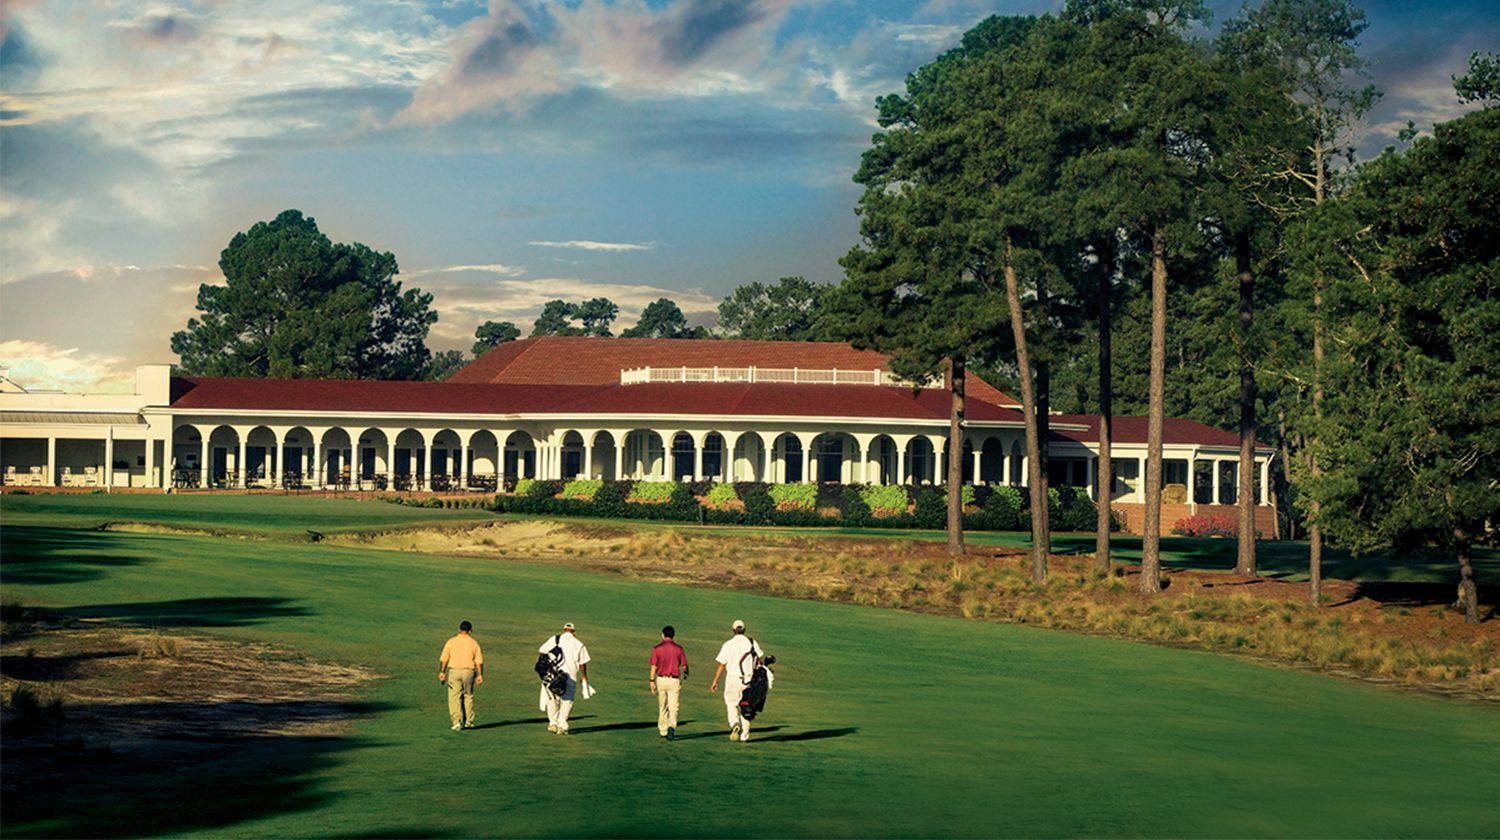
<point x="135" y="769"/>
<point x="44" y="556"/>
<point x="193" y="612"/>
<point x="48" y="668"/>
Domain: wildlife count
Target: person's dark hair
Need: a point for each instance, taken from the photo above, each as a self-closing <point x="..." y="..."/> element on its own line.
<point x="465" y="626"/>
<point x="669" y="632"/>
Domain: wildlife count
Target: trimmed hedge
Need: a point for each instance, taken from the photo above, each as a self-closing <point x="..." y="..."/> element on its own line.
<point x="800" y="505"/>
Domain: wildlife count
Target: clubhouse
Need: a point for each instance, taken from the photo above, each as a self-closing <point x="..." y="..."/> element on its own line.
<point x="604" y="408"/>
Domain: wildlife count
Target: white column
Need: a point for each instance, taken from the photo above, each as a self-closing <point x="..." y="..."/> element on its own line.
<point x="427" y="467"/>
<point x="698" y="458"/>
<point x="278" y="460"/>
<point x="390" y="461"/>
<point x="939" y="463"/>
<point x="1192" y="481"/>
<point x="901" y="462"/>
<point x="315" y="469"/>
<point x="1265" y="481"/>
<point x="865" y="462"/>
<point x="150" y="461"/>
<point x="109" y="458"/>
<point x="51" y="461"/>
<point x="1215" y="499"/>
<point x="461" y="469"/>
<point x="239" y="465"/>
<point x="976" y="480"/>
<point x="588" y="458"/>
<point x="765" y="459"/>
<point x="1140" y="480"/>
<point x="203" y="474"/>
<point x="807" y="463"/>
<point x="619" y="457"/>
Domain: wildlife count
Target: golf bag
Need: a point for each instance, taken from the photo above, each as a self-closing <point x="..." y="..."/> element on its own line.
<point x="753" y="698"/>
<point x="549" y="669"/>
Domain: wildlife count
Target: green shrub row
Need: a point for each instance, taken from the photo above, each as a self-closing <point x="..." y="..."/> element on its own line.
<point x="808" y="505"/>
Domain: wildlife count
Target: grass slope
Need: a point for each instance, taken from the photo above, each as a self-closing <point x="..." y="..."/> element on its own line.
<point x="882" y="723"/>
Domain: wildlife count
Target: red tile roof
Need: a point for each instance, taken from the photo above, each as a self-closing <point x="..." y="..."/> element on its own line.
<point x="574" y="360"/>
<point x="1132" y="429"/>
<point x="366" y="395"/>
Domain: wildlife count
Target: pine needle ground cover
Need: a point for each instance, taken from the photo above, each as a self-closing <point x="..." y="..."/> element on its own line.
<point x="883" y="723"/>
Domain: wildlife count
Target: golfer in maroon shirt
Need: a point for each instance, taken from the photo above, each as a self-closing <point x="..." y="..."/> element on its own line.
<point x="668" y="669"/>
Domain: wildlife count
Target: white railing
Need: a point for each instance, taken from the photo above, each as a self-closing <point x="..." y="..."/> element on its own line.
<point x="799" y="376"/>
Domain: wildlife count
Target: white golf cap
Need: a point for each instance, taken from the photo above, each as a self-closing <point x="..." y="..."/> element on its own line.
<point x="569" y="626"/>
<point x="738" y="625"/>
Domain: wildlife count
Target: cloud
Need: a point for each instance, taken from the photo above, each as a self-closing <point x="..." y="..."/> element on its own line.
<point x="39" y="366"/>
<point x="493" y="268"/>
<point x="523" y="51"/>
<point x="590" y="245"/>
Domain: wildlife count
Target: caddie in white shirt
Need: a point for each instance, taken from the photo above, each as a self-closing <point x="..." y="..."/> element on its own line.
<point x="736" y="660"/>
<point x="575" y="659"/>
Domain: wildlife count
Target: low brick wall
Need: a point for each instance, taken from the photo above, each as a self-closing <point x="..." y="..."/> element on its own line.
<point x="1134" y="516"/>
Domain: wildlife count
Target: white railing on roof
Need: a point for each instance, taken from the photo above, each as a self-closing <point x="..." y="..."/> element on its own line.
<point x="834" y="376"/>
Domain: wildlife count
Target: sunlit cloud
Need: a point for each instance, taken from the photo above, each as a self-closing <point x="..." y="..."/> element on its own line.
<point x="493" y="268"/>
<point x="591" y="245"/>
<point x="39" y="366"/>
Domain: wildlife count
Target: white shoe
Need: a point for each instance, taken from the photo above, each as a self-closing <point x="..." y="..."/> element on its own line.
<point x="552" y="727"/>
<point x="457" y="727"/>
<point x="734" y="732"/>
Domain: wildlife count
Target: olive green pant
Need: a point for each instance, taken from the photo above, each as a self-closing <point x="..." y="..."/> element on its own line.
<point x="461" y="696"/>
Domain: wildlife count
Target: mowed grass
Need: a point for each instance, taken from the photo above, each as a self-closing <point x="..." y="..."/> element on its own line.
<point x="269" y="514"/>
<point x="882" y="723"/>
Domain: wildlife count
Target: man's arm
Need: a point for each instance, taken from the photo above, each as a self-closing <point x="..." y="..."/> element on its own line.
<point x="583" y="671"/>
<point x="653" y="677"/>
<point x="718" y="672"/>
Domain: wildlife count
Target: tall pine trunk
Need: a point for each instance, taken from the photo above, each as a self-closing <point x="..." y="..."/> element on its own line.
<point x="956" y="385"/>
<point x="1285" y="484"/>
<point x="1105" y="479"/>
<point x="1468" y="591"/>
<point x="1245" y="562"/>
<point x="1043" y="421"/>
<point x="1151" y="541"/>
<point x="1028" y="410"/>
<point x="1315" y="530"/>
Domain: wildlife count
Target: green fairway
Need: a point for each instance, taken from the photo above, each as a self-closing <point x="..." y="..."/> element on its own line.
<point x="882" y="723"/>
<point x="262" y="514"/>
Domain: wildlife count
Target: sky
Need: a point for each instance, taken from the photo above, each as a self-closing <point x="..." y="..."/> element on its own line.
<point x="508" y="153"/>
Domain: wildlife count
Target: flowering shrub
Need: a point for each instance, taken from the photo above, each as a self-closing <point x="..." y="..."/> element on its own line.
<point x="525" y="486"/>
<point x="652" y="492"/>
<point x="720" y="496"/>
<point x="795" y="496"/>
<point x="1206" y="525"/>
<point x="884" y="499"/>
<point x="581" y="488"/>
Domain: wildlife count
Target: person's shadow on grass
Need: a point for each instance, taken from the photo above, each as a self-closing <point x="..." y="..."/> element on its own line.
<point x="519" y="721"/>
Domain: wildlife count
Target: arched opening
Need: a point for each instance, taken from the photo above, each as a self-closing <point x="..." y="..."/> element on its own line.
<point x="337" y="467"/>
<point x="683" y="454"/>
<point x="373" y="468"/>
<point x="1017" y="464"/>
<point x="520" y="455"/>
<point x="835" y="455"/>
<point x="572" y="455"/>
<point x="991" y="461"/>
<point x="185" y="459"/>
<point x="749" y="458"/>
<point x="883" y="457"/>
<point x="259" y="469"/>
<point x="410" y="467"/>
<point x="645" y="455"/>
<point x="786" y="451"/>
<point x="603" y="447"/>
<point x="483" y="470"/>
<point x="714" y="466"/>
<point x="223" y="457"/>
<point x="919" y="461"/>
<point x="296" y="458"/>
<point x="447" y="472"/>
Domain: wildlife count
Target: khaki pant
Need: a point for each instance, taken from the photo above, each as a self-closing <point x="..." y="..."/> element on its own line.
<point x="732" y="692"/>
<point x="460" y="690"/>
<point x="668" y="691"/>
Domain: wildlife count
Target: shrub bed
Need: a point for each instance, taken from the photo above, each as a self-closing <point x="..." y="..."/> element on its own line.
<point x="795" y="505"/>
